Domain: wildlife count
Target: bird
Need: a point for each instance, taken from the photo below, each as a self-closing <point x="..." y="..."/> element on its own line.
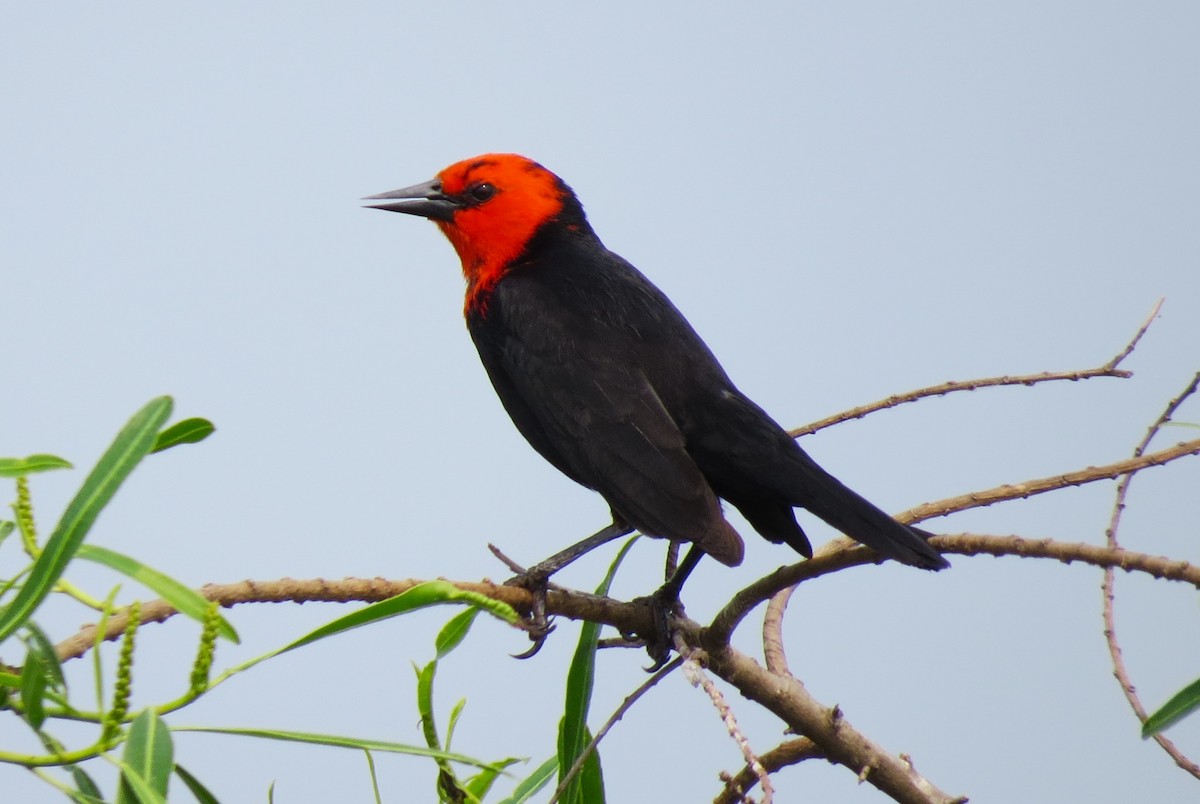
<point x="607" y="380"/>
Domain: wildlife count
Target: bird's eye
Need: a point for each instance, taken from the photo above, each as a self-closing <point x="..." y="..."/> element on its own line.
<point x="481" y="192"/>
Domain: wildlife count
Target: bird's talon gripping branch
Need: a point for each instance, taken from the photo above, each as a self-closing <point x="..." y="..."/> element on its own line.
<point x="538" y="631"/>
<point x="536" y="581"/>
<point x="658" y="644"/>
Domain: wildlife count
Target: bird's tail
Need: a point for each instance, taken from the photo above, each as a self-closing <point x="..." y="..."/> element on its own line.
<point x="854" y="516"/>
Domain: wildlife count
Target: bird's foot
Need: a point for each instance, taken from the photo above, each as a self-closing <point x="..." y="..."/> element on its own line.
<point x="537" y="583"/>
<point x="538" y="626"/>
<point x="664" y="604"/>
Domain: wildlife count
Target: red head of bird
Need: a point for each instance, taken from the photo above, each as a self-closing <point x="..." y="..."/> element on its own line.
<point x="489" y="207"/>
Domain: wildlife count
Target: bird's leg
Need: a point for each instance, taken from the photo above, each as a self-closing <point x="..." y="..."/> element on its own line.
<point x="537" y="580"/>
<point x="664" y="603"/>
<point x="672" y="559"/>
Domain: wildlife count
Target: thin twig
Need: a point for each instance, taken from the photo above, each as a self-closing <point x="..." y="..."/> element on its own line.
<point x="1112" y="364"/>
<point x="505" y="560"/>
<point x="1109" y="369"/>
<point x="1109" y="596"/>
<point x="979" y="499"/>
<point x="617" y="715"/>
<point x="696" y="676"/>
<point x="781" y="756"/>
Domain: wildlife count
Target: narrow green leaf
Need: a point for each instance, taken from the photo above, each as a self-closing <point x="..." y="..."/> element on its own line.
<point x="454" y="632"/>
<point x="534" y="782"/>
<point x="84" y="784"/>
<point x="425" y="704"/>
<point x="479" y="785"/>
<point x="374" y="777"/>
<point x="10" y="680"/>
<point x="573" y="731"/>
<point x="149" y="755"/>
<point x="453" y="721"/>
<point x="6" y="527"/>
<point x="341" y="742"/>
<point x="1181" y="704"/>
<point x="40" y="644"/>
<point x="133" y="789"/>
<point x="188" y="431"/>
<point x="19" y="467"/>
<point x="194" y="786"/>
<point x="185" y="599"/>
<point x="430" y="593"/>
<point x="40" y="674"/>
<point x="127" y="450"/>
<point x="33" y="689"/>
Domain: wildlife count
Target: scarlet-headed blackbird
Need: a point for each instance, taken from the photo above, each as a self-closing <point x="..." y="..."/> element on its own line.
<point x="610" y="383"/>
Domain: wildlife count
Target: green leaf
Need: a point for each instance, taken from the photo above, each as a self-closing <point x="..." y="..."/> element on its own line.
<point x="453" y="721"/>
<point x="454" y="632"/>
<point x="479" y="785"/>
<point x="185" y="599"/>
<point x="19" y="467"/>
<point x="84" y="784"/>
<point x="425" y="704"/>
<point x="149" y="759"/>
<point x="1182" y="704"/>
<point x="447" y="782"/>
<point x="188" y="431"/>
<point x="133" y="789"/>
<point x="41" y="645"/>
<point x="195" y="787"/>
<point x="374" y="777"/>
<point x="40" y="673"/>
<point x="6" y="527"/>
<point x="430" y="593"/>
<point x="534" y="782"/>
<point x="342" y="742"/>
<point x="33" y="689"/>
<point x="127" y="450"/>
<point x="588" y="786"/>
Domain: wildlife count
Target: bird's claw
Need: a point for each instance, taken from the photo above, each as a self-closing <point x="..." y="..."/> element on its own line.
<point x="658" y="644"/>
<point x="538" y="626"/>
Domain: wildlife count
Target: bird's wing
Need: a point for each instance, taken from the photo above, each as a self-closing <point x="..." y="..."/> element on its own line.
<point x="597" y="418"/>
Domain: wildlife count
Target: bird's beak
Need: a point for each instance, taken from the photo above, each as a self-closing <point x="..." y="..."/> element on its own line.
<point x="426" y="200"/>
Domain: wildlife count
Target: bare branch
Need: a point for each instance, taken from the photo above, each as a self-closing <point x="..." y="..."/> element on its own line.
<point x="1109" y="369"/>
<point x="781" y="756"/>
<point x="944" y="388"/>
<point x="1112" y="364"/>
<point x="773" y="651"/>
<point x="781" y="694"/>
<point x="979" y="499"/>
<point x="840" y="742"/>
<point x="1109" y="596"/>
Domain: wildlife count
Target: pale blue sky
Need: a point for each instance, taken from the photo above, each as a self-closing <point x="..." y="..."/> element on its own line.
<point x="848" y="200"/>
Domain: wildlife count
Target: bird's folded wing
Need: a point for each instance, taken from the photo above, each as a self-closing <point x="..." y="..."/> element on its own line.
<point x="609" y="427"/>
